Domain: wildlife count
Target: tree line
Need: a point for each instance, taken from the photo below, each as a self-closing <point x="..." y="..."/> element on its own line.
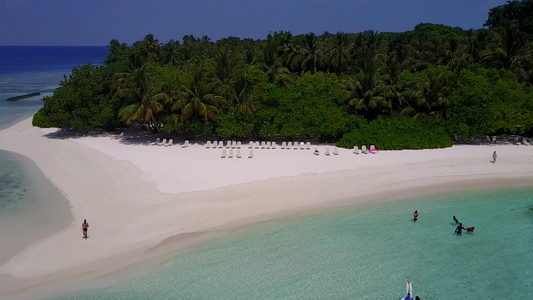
<point x="424" y="85"/>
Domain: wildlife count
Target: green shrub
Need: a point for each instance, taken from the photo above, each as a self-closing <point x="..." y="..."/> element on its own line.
<point x="398" y="132"/>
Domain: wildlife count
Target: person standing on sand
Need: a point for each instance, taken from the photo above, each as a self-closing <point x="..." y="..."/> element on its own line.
<point x="85" y="228"/>
<point x="494" y="156"/>
<point x="415" y="215"/>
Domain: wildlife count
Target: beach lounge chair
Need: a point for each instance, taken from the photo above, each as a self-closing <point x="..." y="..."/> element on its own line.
<point x="327" y="151"/>
<point x="163" y="142"/>
<point x="316" y="152"/>
<point x="251" y="145"/>
<point x="308" y="146"/>
<point x="230" y="154"/>
<point x="373" y="149"/>
<point x="263" y="145"/>
<point x="257" y="144"/>
<point x="364" y="150"/>
<point x="283" y="145"/>
<point x="170" y="143"/>
<point x="302" y="146"/>
<point x="157" y="141"/>
<point x="289" y="145"/>
<point x="214" y="144"/>
<point x="335" y="151"/>
<point x="295" y="145"/>
<point x="238" y="153"/>
<point x="208" y="145"/>
<point x="274" y="145"/>
<point x="525" y="142"/>
<point x="118" y="136"/>
<point x="239" y="144"/>
<point x="223" y="153"/>
<point x="268" y="145"/>
<point x="233" y="144"/>
<point x="493" y="139"/>
<point x="185" y="144"/>
<point x="228" y="144"/>
<point x="251" y="155"/>
<point x="356" y="150"/>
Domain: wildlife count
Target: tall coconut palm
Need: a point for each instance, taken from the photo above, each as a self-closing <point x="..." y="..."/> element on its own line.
<point x="198" y="99"/>
<point x="310" y="53"/>
<point x="338" y="54"/>
<point x="143" y="100"/>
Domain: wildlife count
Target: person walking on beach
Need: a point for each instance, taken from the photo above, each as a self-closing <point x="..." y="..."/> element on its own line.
<point x="459" y="229"/>
<point x="85" y="228"/>
<point x="494" y="156"/>
<point x="415" y="215"/>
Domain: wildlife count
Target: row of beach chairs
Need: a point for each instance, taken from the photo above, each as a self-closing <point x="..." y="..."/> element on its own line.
<point x="363" y="150"/>
<point x="170" y="142"/>
<point x="258" y="145"/>
<point x="327" y="153"/>
<point x="229" y="144"/>
<point x="229" y="153"/>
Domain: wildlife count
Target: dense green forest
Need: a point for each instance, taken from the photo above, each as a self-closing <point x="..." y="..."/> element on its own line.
<point x="414" y="89"/>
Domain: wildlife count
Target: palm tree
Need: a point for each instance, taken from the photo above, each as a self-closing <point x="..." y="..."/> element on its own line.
<point x="365" y="93"/>
<point x="310" y="53"/>
<point x="198" y="100"/>
<point x="338" y="53"/>
<point x="428" y="96"/>
<point x="143" y="99"/>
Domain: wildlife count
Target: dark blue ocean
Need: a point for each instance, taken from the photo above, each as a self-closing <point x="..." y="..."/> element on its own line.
<point x="28" y="69"/>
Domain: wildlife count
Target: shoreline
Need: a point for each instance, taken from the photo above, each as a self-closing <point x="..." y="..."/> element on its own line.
<point x="143" y="200"/>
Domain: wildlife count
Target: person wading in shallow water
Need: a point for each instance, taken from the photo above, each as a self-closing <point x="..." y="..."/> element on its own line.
<point x="415" y="215"/>
<point x="85" y="228"/>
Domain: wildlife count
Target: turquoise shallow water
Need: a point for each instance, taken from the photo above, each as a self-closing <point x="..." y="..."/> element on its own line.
<point x="363" y="252"/>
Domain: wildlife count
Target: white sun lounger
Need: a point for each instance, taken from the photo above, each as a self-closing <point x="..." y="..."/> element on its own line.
<point x="364" y="150"/>
<point x="263" y="145"/>
<point x="316" y="152"/>
<point x="223" y="153"/>
<point x="214" y="144"/>
<point x="163" y="142"/>
<point x="238" y="153"/>
<point x="526" y="142"/>
<point x="373" y="149"/>
<point x="356" y="150"/>
<point x="185" y="144"/>
<point x="268" y="145"/>
<point x="302" y="146"/>
<point x="230" y="155"/>
<point x="251" y="145"/>
<point x="327" y="151"/>
<point x="239" y="144"/>
<point x="118" y="136"/>
<point x="289" y="145"/>
<point x="308" y="146"/>
<point x="220" y="144"/>
<point x="257" y="145"/>
<point x="335" y="151"/>
<point x="251" y="155"/>
<point x="283" y="145"/>
<point x="233" y="144"/>
<point x="295" y="145"/>
<point x="274" y="145"/>
<point x="170" y="143"/>
<point x="228" y="144"/>
<point x="157" y="141"/>
<point x="208" y="145"/>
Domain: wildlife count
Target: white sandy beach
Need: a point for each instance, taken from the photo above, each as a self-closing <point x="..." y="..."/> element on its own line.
<point x="137" y="196"/>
